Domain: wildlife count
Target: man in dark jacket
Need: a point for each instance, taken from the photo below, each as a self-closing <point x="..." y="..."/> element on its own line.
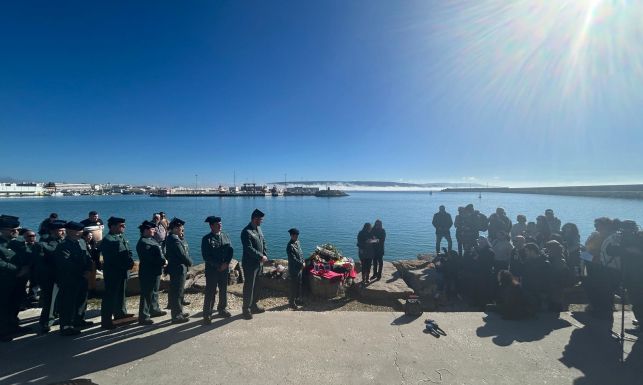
<point x="73" y="265"/>
<point x="11" y="271"/>
<point x="254" y="255"/>
<point x="117" y="261"/>
<point x="151" y="263"/>
<point x="217" y="252"/>
<point x="498" y="222"/>
<point x="442" y="222"/>
<point x="46" y="274"/>
<point x="178" y="262"/>
<point x="296" y="265"/>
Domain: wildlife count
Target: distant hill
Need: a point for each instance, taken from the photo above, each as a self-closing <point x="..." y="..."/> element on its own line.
<point x="375" y="185"/>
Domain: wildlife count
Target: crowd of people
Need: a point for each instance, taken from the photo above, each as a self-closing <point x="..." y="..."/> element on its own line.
<point x="59" y="267"/>
<point x="525" y="267"/>
<point x="521" y="267"/>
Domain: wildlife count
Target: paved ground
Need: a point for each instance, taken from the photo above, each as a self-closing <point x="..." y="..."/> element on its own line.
<point x="331" y="348"/>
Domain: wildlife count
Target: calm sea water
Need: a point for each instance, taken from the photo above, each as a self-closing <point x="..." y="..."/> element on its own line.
<point x="406" y="215"/>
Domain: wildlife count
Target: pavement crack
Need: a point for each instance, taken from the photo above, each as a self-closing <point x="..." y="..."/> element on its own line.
<point x="396" y="354"/>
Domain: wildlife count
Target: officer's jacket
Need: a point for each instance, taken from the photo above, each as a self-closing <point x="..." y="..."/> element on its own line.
<point x="254" y="244"/>
<point x="216" y="249"/>
<point x="150" y="256"/>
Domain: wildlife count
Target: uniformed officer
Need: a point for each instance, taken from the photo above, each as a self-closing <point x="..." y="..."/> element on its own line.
<point x="254" y="255"/>
<point x="151" y="263"/>
<point x="46" y="274"/>
<point x="178" y="262"/>
<point x="217" y="253"/>
<point x="11" y="271"/>
<point x="296" y="263"/>
<point x="73" y="265"/>
<point x="117" y="260"/>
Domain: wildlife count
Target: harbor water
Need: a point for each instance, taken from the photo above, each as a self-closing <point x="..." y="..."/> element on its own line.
<point x="406" y="215"/>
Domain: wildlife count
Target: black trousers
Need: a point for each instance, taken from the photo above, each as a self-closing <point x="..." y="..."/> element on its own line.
<point x="149" y="300"/>
<point x="215" y="279"/>
<point x="378" y="265"/>
<point x="295" y="286"/>
<point x="366" y="267"/>
<point x="177" y="289"/>
<point x="438" y="241"/>
<point x="6" y="313"/>
<point x="113" y="303"/>
<point x="250" y="290"/>
<point x="48" y="295"/>
<point x="73" y="302"/>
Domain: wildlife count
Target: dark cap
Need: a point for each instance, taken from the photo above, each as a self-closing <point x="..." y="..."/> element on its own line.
<point x="56" y="225"/>
<point x="9" y="222"/>
<point x="212" y="219"/>
<point x="53" y="216"/>
<point x="293" y="231"/>
<point x="175" y="222"/>
<point x="257" y="214"/>
<point x="147" y="225"/>
<point x="93" y="213"/>
<point x="75" y="226"/>
<point x="115" y="221"/>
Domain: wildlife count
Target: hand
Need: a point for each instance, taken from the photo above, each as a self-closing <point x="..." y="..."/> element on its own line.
<point x="264" y="259"/>
<point x="165" y="263"/>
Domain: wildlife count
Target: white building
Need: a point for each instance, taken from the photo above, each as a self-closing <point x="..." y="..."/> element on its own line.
<point x="21" y="189"/>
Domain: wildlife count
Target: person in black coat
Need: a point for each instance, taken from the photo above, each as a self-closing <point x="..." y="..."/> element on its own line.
<point x="254" y="255"/>
<point x="379" y="234"/>
<point x="365" y="250"/>
<point x="151" y="263"/>
<point x="442" y="222"/>
<point x="217" y="252"/>
<point x="178" y="262"/>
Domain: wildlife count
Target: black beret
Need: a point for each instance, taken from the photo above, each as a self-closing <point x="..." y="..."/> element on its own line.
<point x="293" y="231"/>
<point x="176" y="222"/>
<point x="9" y="222"/>
<point x="57" y="224"/>
<point x="53" y="216"/>
<point x="212" y="219"/>
<point x="92" y="213"/>
<point x="147" y="225"/>
<point x="257" y="214"/>
<point x="71" y="225"/>
<point x="115" y="221"/>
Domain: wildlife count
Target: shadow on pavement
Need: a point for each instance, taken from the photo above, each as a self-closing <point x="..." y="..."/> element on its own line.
<point x="52" y="358"/>
<point x="593" y="351"/>
<point x="505" y="332"/>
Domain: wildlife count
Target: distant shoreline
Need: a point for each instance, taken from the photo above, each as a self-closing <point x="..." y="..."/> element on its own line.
<point x="634" y="191"/>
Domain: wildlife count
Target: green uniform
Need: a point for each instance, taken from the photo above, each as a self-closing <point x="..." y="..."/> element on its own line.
<point x="178" y="261"/>
<point x="254" y="248"/>
<point x="216" y="251"/>
<point x="117" y="260"/>
<point x="26" y="254"/>
<point x="73" y="264"/>
<point x="296" y="263"/>
<point x="151" y="259"/>
<point x="9" y="268"/>
<point x="46" y="277"/>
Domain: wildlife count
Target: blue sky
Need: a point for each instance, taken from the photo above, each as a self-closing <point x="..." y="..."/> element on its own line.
<point x="502" y="93"/>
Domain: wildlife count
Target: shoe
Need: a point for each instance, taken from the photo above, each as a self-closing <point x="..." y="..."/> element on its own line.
<point x="84" y="324"/>
<point x="225" y="314"/>
<point x="186" y="315"/>
<point x="158" y="314"/>
<point x="257" y="310"/>
<point x="109" y="326"/>
<point x="145" y="322"/>
<point x="185" y="303"/>
<point x="70" y="332"/>
<point x="635" y="322"/>
<point x="179" y="319"/>
<point x="247" y="315"/>
<point x="128" y="315"/>
<point x="374" y="277"/>
<point x="635" y="331"/>
<point x="299" y="303"/>
<point x="207" y="320"/>
<point x="293" y="306"/>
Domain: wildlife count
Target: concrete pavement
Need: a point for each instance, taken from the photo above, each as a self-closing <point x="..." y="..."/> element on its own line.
<point x="284" y="347"/>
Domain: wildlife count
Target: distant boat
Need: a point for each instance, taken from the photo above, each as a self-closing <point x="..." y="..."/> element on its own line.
<point x="479" y="195"/>
<point x="57" y="194"/>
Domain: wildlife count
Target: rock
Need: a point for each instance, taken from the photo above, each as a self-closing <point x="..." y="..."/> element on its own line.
<point x="390" y="287"/>
<point x="405" y="265"/>
<point x="426" y="256"/>
<point x="268" y="280"/>
<point x="324" y="288"/>
<point x="195" y="279"/>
